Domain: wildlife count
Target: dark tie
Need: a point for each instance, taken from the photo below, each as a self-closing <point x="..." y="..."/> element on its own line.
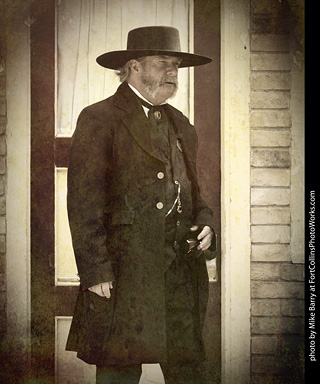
<point x="157" y="110"/>
<point x="158" y="120"/>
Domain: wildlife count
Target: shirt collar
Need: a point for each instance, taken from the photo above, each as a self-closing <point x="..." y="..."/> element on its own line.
<point x="146" y="110"/>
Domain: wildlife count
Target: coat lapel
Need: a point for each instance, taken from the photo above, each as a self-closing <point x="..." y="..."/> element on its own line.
<point x="138" y="125"/>
<point x="184" y="133"/>
<point x="135" y="119"/>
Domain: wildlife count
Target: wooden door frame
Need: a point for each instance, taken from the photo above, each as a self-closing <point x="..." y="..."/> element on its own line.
<point x="18" y="188"/>
<point x="235" y="341"/>
<point x="235" y="190"/>
<point x="47" y="152"/>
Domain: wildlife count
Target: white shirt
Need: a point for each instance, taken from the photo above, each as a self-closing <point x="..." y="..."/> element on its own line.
<point x="146" y="110"/>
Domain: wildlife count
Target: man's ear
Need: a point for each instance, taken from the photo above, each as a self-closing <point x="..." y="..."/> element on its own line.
<point x="135" y="66"/>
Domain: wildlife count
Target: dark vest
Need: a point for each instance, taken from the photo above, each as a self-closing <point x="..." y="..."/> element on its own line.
<point x="176" y="181"/>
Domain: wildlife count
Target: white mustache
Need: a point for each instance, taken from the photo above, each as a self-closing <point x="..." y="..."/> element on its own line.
<point x="169" y="79"/>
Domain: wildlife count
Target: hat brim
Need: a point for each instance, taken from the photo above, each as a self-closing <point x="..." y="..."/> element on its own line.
<point x="117" y="59"/>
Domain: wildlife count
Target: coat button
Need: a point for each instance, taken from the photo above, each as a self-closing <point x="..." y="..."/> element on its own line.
<point x="160" y="175"/>
<point x="159" y="205"/>
<point x="157" y="115"/>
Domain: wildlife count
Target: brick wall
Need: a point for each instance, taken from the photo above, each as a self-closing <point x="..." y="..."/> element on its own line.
<point x="2" y="203"/>
<point x="277" y="287"/>
<point x="3" y="122"/>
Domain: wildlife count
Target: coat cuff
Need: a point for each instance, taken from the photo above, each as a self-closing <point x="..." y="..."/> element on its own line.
<point x="204" y="217"/>
<point x="99" y="274"/>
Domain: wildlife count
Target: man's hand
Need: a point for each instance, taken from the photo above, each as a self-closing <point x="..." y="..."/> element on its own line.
<point x="205" y="237"/>
<point x="102" y="289"/>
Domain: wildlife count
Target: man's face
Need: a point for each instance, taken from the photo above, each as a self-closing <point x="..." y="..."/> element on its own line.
<point x="159" y="77"/>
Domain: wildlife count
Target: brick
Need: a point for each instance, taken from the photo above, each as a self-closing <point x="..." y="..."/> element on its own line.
<point x="2" y="225"/>
<point x="2" y="205"/>
<point x="270" y="137"/>
<point x="269" y="99"/>
<point x="270" y="62"/>
<point x="2" y="145"/>
<point x="3" y="106"/>
<point x="270" y="158"/>
<point x="2" y="84"/>
<point x="3" y="124"/>
<point x="270" y="196"/>
<point x="270" y="252"/>
<point x="292" y="272"/>
<point x="269" y="17"/>
<point x="266" y="307"/>
<point x="2" y="165"/>
<point x="280" y="43"/>
<point x="279" y="234"/>
<point x="3" y="301"/>
<point x="292" y="343"/>
<point x="2" y="186"/>
<point x="3" y="323"/>
<point x="277" y="290"/>
<point x="3" y="285"/>
<point x="270" y="118"/>
<point x="270" y="81"/>
<point x="3" y="262"/>
<point x="277" y="325"/>
<point x="263" y="378"/>
<point x="264" y="345"/>
<point x="265" y="271"/>
<point x="270" y="215"/>
<point x="2" y="243"/>
<point x="264" y="364"/>
<point x="292" y="307"/>
<point x="266" y="8"/>
<point x="270" y="177"/>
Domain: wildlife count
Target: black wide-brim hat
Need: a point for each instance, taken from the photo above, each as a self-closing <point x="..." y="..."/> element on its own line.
<point x="151" y="41"/>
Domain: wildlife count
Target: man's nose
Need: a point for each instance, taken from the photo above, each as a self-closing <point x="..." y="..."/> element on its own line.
<point x="172" y="70"/>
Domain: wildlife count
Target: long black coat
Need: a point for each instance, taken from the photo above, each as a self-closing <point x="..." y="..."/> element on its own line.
<point x="118" y="232"/>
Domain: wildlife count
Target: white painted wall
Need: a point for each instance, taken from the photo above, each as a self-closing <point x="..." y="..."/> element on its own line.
<point x="18" y="187"/>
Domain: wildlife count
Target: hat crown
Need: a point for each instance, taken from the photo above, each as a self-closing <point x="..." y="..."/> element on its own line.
<point x="155" y="38"/>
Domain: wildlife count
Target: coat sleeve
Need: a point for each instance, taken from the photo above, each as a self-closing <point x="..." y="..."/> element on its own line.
<point x="202" y="213"/>
<point x="89" y="165"/>
<point x="188" y="137"/>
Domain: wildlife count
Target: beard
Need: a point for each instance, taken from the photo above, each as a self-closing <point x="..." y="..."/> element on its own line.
<point x="153" y="87"/>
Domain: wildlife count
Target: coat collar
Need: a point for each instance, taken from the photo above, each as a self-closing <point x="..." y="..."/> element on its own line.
<point x="137" y="123"/>
<point x="135" y="119"/>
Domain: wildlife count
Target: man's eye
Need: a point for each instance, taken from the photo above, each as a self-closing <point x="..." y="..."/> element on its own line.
<point x="165" y="62"/>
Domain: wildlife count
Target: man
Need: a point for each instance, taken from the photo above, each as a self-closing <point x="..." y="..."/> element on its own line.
<point x="133" y="202"/>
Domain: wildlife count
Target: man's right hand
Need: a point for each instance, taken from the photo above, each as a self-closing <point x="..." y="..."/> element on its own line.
<point x="102" y="289"/>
